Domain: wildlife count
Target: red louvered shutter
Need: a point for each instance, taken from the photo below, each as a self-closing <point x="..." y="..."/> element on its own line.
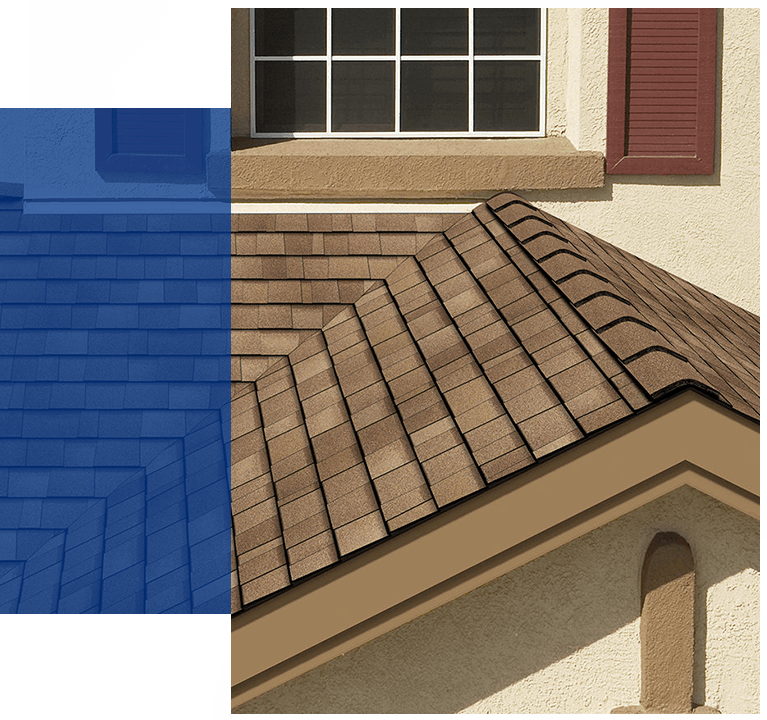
<point x="661" y="94"/>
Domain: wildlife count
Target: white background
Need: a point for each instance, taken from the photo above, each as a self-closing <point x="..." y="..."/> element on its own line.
<point x="75" y="47"/>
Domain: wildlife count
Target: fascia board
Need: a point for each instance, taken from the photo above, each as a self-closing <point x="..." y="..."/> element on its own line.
<point x="691" y="440"/>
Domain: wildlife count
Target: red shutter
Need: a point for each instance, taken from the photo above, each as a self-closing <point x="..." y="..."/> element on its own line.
<point x="661" y="93"/>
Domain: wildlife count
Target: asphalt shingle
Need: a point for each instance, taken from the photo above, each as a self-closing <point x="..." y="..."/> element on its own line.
<point x="437" y="355"/>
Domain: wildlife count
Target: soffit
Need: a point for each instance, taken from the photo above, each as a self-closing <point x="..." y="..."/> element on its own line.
<point x="695" y="442"/>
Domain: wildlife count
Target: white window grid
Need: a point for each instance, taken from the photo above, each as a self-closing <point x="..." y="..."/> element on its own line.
<point x="397" y="58"/>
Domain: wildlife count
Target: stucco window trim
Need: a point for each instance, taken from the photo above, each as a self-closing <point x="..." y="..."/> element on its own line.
<point x="337" y="169"/>
<point x="382" y="169"/>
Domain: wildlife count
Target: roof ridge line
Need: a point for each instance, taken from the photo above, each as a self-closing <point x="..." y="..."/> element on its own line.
<point x="578" y="280"/>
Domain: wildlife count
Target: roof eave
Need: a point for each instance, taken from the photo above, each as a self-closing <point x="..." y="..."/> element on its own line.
<point x="696" y="441"/>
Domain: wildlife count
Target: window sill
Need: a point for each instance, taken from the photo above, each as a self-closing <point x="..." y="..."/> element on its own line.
<point x="449" y="169"/>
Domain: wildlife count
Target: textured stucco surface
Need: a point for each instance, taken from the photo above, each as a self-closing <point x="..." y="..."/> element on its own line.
<point x="703" y="228"/>
<point x="53" y="137"/>
<point x="560" y="634"/>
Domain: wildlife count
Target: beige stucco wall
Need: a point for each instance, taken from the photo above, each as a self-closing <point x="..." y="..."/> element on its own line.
<point x="703" y="228"/>
<point x="560" y="634"/>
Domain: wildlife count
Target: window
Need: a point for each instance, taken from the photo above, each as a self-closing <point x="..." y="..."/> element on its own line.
<point x="397" y="72"/>
<point x="162" y="140"/>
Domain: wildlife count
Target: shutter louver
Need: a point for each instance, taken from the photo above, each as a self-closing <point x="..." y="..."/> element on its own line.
<point x="661" y="91"/>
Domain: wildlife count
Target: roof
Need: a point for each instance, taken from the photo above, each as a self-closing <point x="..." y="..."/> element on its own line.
<point x="480" y="353"/>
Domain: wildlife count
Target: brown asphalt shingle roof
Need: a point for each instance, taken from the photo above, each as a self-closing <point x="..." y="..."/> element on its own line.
<point x="383" y="372"/>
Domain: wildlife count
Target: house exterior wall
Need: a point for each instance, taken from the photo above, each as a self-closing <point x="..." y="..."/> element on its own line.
<point x="710" y="223"/>
<point x="561" y="633"/>
<point x="60" y="162"/>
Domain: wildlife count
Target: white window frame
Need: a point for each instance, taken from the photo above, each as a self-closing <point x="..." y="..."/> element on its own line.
<point x="397" y="58"/>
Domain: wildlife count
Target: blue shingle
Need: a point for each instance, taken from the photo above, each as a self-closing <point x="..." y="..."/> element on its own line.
<point x="106" y="368"/>
<point x="162" y="423"/>
<point x="114" y="453"/>
<point x="159" y="316"/>
<point x="19" y="268"/>
<point x="123" y="291"/>
<point x="118" y="557"/>
<point x="81" y="454"/>
<point x="45" y="453"/>
<point x="124" y="591"/>
<point x="49" y="423"/>
<point x="168" y="591"/>
<point x="150" y="291"/>
<point x="39" y="223"/>
<point x="136" y="223"/>
<point x="71" y="482"/>
<point x="24" y="369"/>
<point x="84" y="267"/>
<point x="55" y="267"/>
<point x="206" y="565"/>
<point x="181" y="342"/>
<point x="10" y="423"/>
<point x="169" y="538"/>
<point x="105" y="396"/>
<point x="25" y="291"/>
<point x="61" y="291"/>
<point x="130" y="268"/>
<point x="117" y="316"/>
<point x="88" y="425"/>
<point x="37" y="395"/>
<point x="28" y="482"/>
<point x="181" y="291"/>
<point x="115" y="223"/>
<point x="87" y="223"/>
<point x="9" y="220"/>
<point x="175" y="367"/>
<point x="108" y="342"/>
<point x="159" y="243"/>
<point x="192" y="222"/>
<point x="66" y="342"/>
<point x="106" y="267"/>
<point x="158" y="222"/>
<point x="203" y="316"/>
<point x="123" y="243"/>
<point x="142" y="396"/>
<point x="91" y="243"/>
<point x="72" y="369"/>
<point x="167" y="563"/>
<point x="214" y="291"/>
<point x="92" y="291"/>
<point x="49" y="316"/>
<point x="189" y="396"/>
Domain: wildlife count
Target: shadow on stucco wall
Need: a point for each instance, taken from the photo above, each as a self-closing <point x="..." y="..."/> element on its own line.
<point x="559" y="634"/>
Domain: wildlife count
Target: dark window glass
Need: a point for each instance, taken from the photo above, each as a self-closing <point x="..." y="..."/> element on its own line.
<point x="363" y="96"/>
<point x="513" y="31"/>
<point x="363" y="32"/>
<point x="435" y="32"/>
<point x="506" y="95"/>
<point x="290" y="96"/>
<point x="435" y="96"/>
<point x="283" y="31"/>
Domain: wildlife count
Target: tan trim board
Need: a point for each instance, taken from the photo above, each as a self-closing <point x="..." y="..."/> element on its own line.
<point x="694" y="442"/>
<point x="335" y="169"/>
